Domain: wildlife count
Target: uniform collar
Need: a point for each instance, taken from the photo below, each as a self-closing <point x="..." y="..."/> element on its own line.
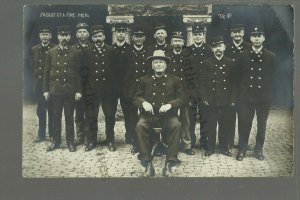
<point x="45" y="45"/>
<point x="99" y="47"/>
<point x="63" y="48"/>
<point x="236" y="44"/>
<point x="118" y="44"/>
<point x="198" y="46"/>
<point x="86" y="44"/>
<point x="177" y="53"/>
<point x="217" y="58"/>
<point x="138" y="49"/>
<point x="257" y="50"/>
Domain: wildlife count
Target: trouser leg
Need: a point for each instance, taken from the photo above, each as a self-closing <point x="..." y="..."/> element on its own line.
<point x="262" y="113"/>
<point x="143" y="130"/>
<point x="41" y="111"/>
<point x="203" y="124"/>
<point x="226" y="114"/>
<point x="126" y="105"/>
<point x="231" y="126"/>
<point x="109" y="107"/>
<point x="245" y="118"/>
<point x="79" y="118"/>
<point x="185" y="124"/>
<point x="172" y="126"/>
<point x="92" y="111"/>
<point x="69" y="106"/>
<point x="50" y="117"/>
<point x="58" y="104"/>
<point x="193" y="114"/>
<point x="212" y="117"/>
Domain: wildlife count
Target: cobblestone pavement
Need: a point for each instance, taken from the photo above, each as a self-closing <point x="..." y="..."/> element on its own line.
<point x="38" y="163"/>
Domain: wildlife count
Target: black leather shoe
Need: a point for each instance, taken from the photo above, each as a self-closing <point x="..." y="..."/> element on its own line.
<point x="90" y="146"/>
<point x="240" y="156"/>
<point x="226" y="153"/>
<point x="71" y="147"/>
<point x="38" y="140"/>
<point x="79" y="141"/>
<point x="111" y="146"/>
<point x="259" y="155"/>
<point x="52" y="147"/>
<point x="203" y="146"/>
<point x="189" y="152"/>
<point x="134" y="149"/>
<point x="149" y="169"/>
<point x="208" y="153"/>
<point x="168" y="168"/>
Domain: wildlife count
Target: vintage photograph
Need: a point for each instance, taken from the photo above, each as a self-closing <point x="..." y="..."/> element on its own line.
<point x="130" y="91"/>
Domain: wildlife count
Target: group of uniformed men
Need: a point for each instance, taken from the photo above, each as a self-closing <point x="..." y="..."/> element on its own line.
<point x="167" y="86"/>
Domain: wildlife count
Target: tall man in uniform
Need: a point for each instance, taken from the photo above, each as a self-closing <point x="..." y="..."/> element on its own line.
<point x="234" y="49"/>
<point x="38" y="57"/>
<point x="219" y="95"/>
<point x="122" y="51"/>
<point x="178" y="67"/>
<point x="256" y="73"/>
<point x="160" y="34"/>
<point x="82" y="35"/>
<point x="159" y="96"/>
<point x="199" y="52"/>
<point x="97" y="86"/>
<point x="137" y="68"/>
<point x="62" y="83"/>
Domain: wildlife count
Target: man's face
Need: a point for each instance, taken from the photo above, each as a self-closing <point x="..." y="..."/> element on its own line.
<point x="64" y="38"/>
<point x="45" y="37"/>
<point x="219" y="49"/>
<point x="138" y="40"/>
<point x="160" y="35"/>
<point x="177" y="43"/>
<point x="159" y="66"/>
<point x="257" y="39"/>
<point x="82" y="34"/>
<point x="98" y="38"/>
<point x="237" y="35"/>
<point x="121" y="35"/>
<point x="199" y="37"/>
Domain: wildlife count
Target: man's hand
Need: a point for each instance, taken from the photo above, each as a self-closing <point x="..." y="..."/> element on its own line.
<point x="46" y="95"/>
<point x="206" y="103"/>
<point x="165" y="108"/>
<point x="147" y="107"/>
<point x="78" y="96"/>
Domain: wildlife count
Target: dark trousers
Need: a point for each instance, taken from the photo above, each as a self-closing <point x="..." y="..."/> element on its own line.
<point x="126" y="106"/>
<point x="132" y="118"/>
<point x="245" y="118"/>
<point x="185" y="127"/>
<point x="198" y="111"/>
<point x="44" y="107"/>
<point x="80" y="119"/>
<point x="64" y="103"/>
<point x="93" y="104"/>
<point x="169" y="123"/>
<point x="218" y="115"/>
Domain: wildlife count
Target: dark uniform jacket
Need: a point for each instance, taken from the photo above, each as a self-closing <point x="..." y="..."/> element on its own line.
<point x="121" y="58"/>
<point x="160" y="91"/>
<point x="38" y="58"/>
<point x="81" y="48"/>
<point x="97" y="68"/>
<point x="179" y="67"/>
<point x="62" y="71"/>
<point x="167" y="48"/>
<point x="197" y="56"/>
<point x="137" y="67"/>
<point x="219" y="87"/>
<point x="234" y="52"/>
<point x="256" y="75"/>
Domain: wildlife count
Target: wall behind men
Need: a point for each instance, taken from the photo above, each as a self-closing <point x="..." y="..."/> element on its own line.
<point x="277" y="20"/>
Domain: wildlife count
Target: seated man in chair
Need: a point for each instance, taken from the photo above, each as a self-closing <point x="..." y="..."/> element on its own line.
<point x="158" y="96"/>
